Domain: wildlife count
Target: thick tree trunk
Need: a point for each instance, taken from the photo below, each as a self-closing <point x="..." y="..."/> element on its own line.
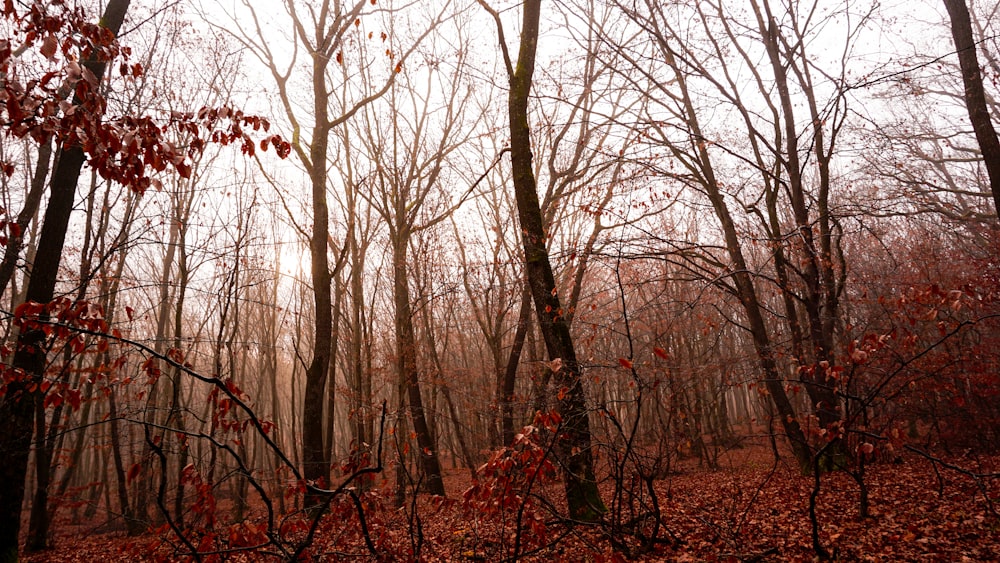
<point x="315" y="464"/>
<point x="975" y="93"/>
<point x="574" y="446"/>
<point x="17" y="406"/>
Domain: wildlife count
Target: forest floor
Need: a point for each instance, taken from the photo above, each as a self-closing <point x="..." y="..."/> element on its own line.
<point x="750" y="508"/>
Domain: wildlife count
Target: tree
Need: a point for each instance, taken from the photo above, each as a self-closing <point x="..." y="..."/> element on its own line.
<point x="975" y="94"/>
<point x="16" y="408"/>
<point x="409" y="156"/>
<point x="125" y="149"/>
<point x="321" y="34"/>
<point x="574" y="445"/>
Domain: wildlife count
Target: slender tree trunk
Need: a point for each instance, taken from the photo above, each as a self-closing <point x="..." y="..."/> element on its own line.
<point x="513" y="361"/>
<point x="406" y="358"/>
<point x="402" y="438"/>
<point x="133" y="526"/>
<point x="28" y="212"/>
<point x="331" y="384"/>
<point x="38" y="521"/>
<point x="362" y="398"/>
<point x="574" y="446"/>
<point x="174" y="415"/>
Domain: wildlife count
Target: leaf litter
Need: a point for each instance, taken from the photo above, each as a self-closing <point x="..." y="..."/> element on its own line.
<point x="749" y="509"/>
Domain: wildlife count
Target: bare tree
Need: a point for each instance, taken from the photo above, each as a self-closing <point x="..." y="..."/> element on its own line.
<point x="574" y="448"/>
<point x="408" y="158"/>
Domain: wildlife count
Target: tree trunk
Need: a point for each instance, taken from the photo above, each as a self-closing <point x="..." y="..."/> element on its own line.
<point x="362" y="393"/>
<point x="133" y="526"/>
<point x="975" y="93"/>
<point x="174" y="415"/>
<point x="574" y="447"/>
<point x="28" y="212"/>
<point x="510" y="374"/>
<point x="331" y="384"/>
<point x="406" y="361"/>
<point x="17" y="407"/>
<point x="316" y="467"/>
<point x="38" y="521"/>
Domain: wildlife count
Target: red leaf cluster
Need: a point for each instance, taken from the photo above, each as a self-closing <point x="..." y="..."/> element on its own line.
<point x="49" y="93"/>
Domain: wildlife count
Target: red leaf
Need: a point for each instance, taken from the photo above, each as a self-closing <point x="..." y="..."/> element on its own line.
<point x="625" y="363"/>
<point x="52" y="400"/>
<point x="49" y="46"/>
<point x="28" y="308"/>
<point x="73" y="397"/>
<point x="133" y="472"/>
<point x="661" y="353"/>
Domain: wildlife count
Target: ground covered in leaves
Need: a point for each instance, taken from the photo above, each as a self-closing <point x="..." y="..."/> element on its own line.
<point x="749" y="509"/>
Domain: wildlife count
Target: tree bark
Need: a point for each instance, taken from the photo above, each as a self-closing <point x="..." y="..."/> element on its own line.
<point x="975" y="93"/>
